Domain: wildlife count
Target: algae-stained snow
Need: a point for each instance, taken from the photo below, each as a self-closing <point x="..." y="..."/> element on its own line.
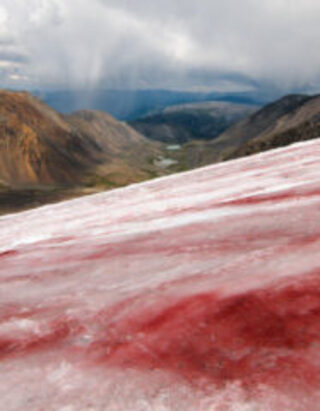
<point x="199" y="291"/>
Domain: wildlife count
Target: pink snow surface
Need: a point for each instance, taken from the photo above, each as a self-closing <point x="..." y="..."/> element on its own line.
<point x="199" y="291"/>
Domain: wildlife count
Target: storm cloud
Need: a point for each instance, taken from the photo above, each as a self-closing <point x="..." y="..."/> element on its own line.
<point x="181" y="44"/>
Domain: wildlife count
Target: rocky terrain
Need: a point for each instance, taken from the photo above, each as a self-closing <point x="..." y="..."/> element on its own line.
<point x="300" y="122"/>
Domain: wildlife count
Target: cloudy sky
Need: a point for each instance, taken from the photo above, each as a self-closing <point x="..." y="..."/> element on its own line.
<point x="179" y="44"/>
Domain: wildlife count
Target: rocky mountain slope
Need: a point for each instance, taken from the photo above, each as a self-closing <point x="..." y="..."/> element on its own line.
<point x="288" y="120"/>
<point x="127" y="155"/>
<point x="37" y="145"/>
<point x="197" y="121"/>
<point x="300" y="123"/>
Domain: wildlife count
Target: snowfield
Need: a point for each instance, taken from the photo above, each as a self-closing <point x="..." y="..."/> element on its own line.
<point x="198" y="291"/>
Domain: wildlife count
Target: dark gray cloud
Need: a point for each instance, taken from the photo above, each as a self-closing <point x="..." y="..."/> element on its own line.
<point x="6" y="41"/>
<point x="12" y="56"/>
<point x="208" y="44"/>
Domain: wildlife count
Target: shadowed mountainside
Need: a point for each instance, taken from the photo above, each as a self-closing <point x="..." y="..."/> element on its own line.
<point x="290" y="119"/>
<point x="197" y="121"/>
<point x="298" y="124"/>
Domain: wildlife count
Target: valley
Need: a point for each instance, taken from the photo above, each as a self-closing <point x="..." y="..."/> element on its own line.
<point x="47" y="157"/>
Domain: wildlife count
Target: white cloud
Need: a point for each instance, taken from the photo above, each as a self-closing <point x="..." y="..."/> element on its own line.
<point x="168" y="43"/>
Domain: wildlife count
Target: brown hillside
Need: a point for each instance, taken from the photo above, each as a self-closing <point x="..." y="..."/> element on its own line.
<point x="128" y="156"/>
<point x="301" y="124"/>
<point x="46" y="156"/>
<point x="37" y="145"/>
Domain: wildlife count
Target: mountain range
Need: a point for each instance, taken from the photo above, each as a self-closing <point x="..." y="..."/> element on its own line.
<point x="129" y="105"/>
<point x="194" y="121"/>
<point x="46" y="156"/>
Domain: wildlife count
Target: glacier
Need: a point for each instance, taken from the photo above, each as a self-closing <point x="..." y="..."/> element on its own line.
<point x="197" y="291"/>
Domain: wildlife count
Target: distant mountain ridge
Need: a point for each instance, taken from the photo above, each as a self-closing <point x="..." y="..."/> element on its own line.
<point x="130" y="105"/>
<point x="193" y="121"/>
